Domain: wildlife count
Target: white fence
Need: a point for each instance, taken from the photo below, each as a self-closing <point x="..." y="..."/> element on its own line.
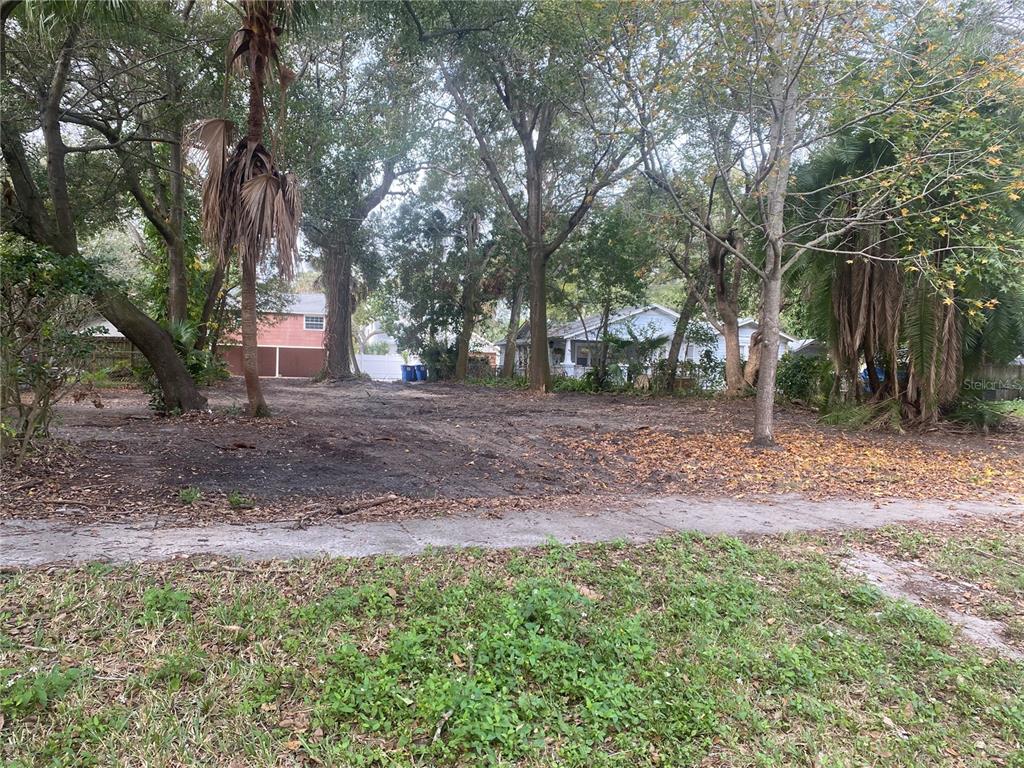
<point x="383" y="367"/>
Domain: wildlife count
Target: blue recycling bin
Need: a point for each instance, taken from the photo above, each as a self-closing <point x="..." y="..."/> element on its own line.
<point x="408" y="373"/>
<point x="421" y="372"/>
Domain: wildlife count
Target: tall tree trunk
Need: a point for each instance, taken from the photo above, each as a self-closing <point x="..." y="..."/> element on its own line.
<point x="177" y="388"/>
<point x="470" y="287"/>
<point x="764" y="407"/>
<point x="734" y="384"/>
<point x="686" y="311"/>
<point x="250" y="353"/>
<point x="205" y="334"/>
<point x="540" y="370"/>
<point x="602" y="354"/>
<point x="469" y="291"/>
<point x="508" y="365"/>
<point x="783" y="91"/>
<point x="177" y="277"/>
<point x="727" y="305"/>
<point x="221" y="310"/>
<point x="338" y="336"/>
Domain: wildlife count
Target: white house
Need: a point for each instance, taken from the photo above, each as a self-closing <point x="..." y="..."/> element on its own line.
<point x="573" y="346"/>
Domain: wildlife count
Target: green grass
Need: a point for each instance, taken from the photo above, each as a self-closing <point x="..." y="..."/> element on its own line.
<point x="688" y="651"/>
<point x="237" y="501"/>
<point x="989" y="556"/>
<point x="189" y="495"/>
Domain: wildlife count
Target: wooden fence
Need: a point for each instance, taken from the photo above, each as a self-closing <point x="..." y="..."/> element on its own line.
<point x="114" y="354"/>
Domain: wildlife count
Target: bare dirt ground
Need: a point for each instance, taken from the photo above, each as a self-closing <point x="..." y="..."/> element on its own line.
<point x="368" y="450"/>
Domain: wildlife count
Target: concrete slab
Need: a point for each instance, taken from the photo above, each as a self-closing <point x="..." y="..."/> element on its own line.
<point x="26" y="543"/>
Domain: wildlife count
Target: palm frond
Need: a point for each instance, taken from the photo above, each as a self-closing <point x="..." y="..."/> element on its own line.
<point x="213" y="137"/>
<point x="920" y="337"/>
<point x="949" y="374"/>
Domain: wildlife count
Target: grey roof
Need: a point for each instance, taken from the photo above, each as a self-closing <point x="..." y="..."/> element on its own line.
<point x="589" y="324"/>
<point x="306" y="304"/>
<point x="575" y="328"/>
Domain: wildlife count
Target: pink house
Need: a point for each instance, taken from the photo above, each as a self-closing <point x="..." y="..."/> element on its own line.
<point x="290" y="343"/>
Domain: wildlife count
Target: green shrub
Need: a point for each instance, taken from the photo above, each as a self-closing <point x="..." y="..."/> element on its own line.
<point x="440" y="360"/>
<point x="238" y="501"/>
<point x="585" y="383"/>
<point x="984" y="415"/>
<point x="43" y="344"/>
<point x="804" y="379"/>
<point x="189" y="495"/>
<point x="204" y="366"/>
<point x="884" y="416"/>
<point x="852" y="415"/>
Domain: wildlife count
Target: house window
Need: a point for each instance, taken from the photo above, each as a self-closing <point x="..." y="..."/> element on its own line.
<point x="583" y="356"/>
<point x="314" y="322"/>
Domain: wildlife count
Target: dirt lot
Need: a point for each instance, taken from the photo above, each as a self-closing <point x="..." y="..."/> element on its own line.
<point x="370" y="449"/>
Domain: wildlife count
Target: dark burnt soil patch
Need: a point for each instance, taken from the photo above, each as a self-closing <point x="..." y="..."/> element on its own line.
<point x="380" y="450"/>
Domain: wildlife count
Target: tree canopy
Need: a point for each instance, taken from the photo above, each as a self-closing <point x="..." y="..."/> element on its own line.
<point x="850" y="171"/>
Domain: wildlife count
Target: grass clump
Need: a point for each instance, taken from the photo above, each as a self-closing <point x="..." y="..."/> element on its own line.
<point x="189" y="495"/>
<point x="237" y="501"/>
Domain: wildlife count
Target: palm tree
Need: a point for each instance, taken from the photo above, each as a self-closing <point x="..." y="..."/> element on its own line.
<point x="877" y="314"/>
<point x="249" y="205"/>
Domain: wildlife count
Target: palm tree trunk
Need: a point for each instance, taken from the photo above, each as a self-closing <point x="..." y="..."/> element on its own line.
<point x="250" y="350"/>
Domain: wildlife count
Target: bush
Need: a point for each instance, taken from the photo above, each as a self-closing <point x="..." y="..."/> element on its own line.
<point x="883" y="416"/>
<point x="43" y="347"/>
<point x="499" y="382"/>
<point x="709" y="370"/>
<point x="984" y="415"/>
<point x="804" y="379"/>
<point x="440" y="360"/>
<point x="586" y="383"/>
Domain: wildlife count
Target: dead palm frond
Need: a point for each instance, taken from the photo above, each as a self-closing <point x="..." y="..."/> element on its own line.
<point x="249" y="204"/>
